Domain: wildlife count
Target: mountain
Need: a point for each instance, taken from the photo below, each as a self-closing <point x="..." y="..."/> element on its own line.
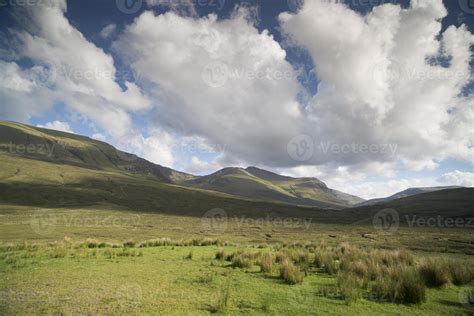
<point x="66" y="148"/>
<point x="265" y="185"/>
<point x="51" y="169"/>
<point x="406" y="193"/>
<point x="447" y="203"/>
<point x="26" y="148"/>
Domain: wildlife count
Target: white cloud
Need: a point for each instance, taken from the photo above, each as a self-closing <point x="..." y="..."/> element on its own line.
<point x="108" y="31"/>
<point x="79" y="74"/>
<point x="23" y="93"/>
<point x="182" y="7"/>
<point x="377" y="87"/>
<point x="58" y="125"/>
<point x="99" y="136"/>
<point x="457" y="177"/>
<point x="221" y="80"/>
<point x="378" y="81"/>
<point x="225" y="84"/>
<point x="202" y="167"/>
<point x="358" y="182"/>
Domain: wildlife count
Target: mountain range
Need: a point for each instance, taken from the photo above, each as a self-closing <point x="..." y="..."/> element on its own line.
<point x="42" y="167"/>
<point x="406" y="193"/>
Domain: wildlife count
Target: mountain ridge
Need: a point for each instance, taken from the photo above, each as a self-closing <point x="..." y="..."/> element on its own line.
<point x="406" y="193"/>
<point x="252" y="182"/>
<point x="67" y="171"/>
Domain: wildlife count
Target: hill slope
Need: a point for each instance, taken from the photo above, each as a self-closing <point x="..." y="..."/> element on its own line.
<point x="69" y="149"/>
<point x="261" y="184"/>
<point x="448" y="203"/>
<point x="406" y="193"/>
<point x="43" y="168"/>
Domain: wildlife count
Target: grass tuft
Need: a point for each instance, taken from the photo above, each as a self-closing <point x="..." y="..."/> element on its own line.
<point x="290" y="273"/>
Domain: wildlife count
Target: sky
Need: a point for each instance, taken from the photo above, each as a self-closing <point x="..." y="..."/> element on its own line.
<point x="370" y="96"/>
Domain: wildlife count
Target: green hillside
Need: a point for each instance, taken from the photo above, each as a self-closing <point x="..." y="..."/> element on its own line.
<point x="65" y="149"/>
<point x="261" y="184"/>
<point x="45" y="168"/>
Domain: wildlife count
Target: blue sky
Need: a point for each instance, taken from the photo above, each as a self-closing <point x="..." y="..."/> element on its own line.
<point x="333" y="74"/>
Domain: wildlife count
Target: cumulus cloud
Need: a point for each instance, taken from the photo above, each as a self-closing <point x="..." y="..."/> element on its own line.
<point x="465" y="179"/>
<point x="99" y="136"/>
<point x="389" y="95"/>
<point x="108" y="31"/>
<point x="199" y="166"/>
<point x="218" y="79"/>
<point x="58" y="125"/>
<point x="181" y="7"/>
<point x="78" y="73"/>
<point x="388" y="77"/>
<point x="23" y="93"/>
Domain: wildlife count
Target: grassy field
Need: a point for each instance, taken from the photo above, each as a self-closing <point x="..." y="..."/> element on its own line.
<point x="86" y="229"/>
<point x="47" y="267"/>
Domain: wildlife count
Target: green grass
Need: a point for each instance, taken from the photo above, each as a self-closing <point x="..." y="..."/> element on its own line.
<point x="162" y="281"/>
<point x="84" y="231"/>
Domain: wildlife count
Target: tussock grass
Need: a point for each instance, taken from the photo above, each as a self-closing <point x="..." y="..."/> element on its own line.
<point x="349" y="286"/>
<point x="222" y="300"/>
<point x="435" y="273"/>
<point x="129" y="244"/>
<point x="290" y="273"/>
<point x="461" y="274"/>
<point x="401" y="285"/>
<point x="189" y="256"/>
<point x="280" y="257"/>
<point x="220" y="254"/>
<point x="207" y="278"/>
<point x="92" y="243"/>
<point x="58" y="252"/>
<point x="240" y="261"/>
<point x="266" y="263"/>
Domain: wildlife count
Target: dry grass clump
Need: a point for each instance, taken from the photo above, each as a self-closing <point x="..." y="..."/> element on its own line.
<point x="280" y="257"/>
<point x="240" y="261"/>
<point x="159" y="242"/>
<point x="92" y="243"/>
<point x="266" y="263"/>
<point x="461" y="273"/>
<point x="58" y="252"/>
<point x="201" y="242"/>
<point x="290" y="273"/>
<point x="222" y="301"/>
<point x="220" y="254"/>
<point x="327" y="262"/>
<point x="401" y="285"/>
<point x="129" y="244"/>
<point x="349" y="286"/>
<point x="189" y="256"/>
<point x="300" y="257"/>
<point x="129" y="252"/>
<point x="435" y="273"/>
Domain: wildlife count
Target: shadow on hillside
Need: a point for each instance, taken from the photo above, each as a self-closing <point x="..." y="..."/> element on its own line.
<point x="160" y="198"/>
